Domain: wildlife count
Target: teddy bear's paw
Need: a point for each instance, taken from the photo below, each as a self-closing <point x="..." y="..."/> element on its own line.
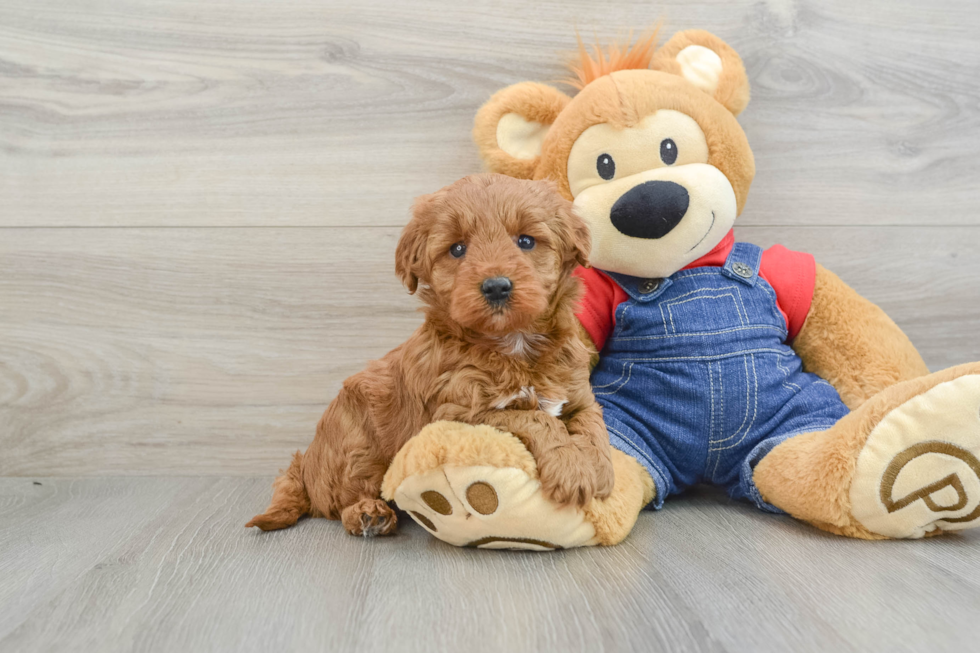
<point x="919" y="471"/>
<point x="491" y="508"/>
<point x="477" y="486"/>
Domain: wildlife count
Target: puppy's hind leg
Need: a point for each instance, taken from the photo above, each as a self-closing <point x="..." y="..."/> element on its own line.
<point x="289" y="499"/>
<point x="369" y="518"/>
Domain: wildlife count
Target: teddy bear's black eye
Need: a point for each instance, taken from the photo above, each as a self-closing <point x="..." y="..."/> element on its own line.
<point x="668" y="151"/>
<point x="457" y="250"/>
<point x="525" y="242"/>
<point x="606" y="166"/>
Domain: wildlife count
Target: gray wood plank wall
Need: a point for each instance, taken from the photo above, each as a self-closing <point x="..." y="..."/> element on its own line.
<point x="199" y="202"/>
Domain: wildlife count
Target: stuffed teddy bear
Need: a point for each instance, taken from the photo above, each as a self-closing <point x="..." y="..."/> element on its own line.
<point x="758" y="371"/>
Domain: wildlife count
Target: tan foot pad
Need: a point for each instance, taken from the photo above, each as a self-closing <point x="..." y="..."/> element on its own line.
<point x="919" y="470"/>
<point x="443" y="480"/>
<point x="491" y="508"/>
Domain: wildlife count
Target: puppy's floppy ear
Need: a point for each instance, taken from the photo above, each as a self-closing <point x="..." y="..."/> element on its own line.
<point x="707" y="62"/>
<point x="575" y="235"/>
<point x="511" y="127"/>
<point x="410" y="256"/>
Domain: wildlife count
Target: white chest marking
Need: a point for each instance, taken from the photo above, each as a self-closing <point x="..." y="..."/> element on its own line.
<point x="524" y="393"/>
<point x="520" y="344"/>
<point x="553" y="407"/>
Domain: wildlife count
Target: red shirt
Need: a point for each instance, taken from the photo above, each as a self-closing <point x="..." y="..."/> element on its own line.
<point x="791" y="274"/>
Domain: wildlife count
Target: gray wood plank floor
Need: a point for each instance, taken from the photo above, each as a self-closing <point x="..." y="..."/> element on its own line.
<point x="199" y="204"/>
<point x="163" y="564"/>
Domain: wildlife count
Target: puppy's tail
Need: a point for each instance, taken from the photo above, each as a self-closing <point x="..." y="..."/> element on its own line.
<point x="289" y="499"/>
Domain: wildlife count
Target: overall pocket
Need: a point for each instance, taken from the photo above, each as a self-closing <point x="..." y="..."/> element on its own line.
<point x="705" y="310"/>
<point x="605" y="382"/>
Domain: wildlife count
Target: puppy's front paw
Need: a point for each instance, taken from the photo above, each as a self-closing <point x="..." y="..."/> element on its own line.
<point x="605" y="475"/>
<point x="369" y="518"/>
<point x="569" y="476"/>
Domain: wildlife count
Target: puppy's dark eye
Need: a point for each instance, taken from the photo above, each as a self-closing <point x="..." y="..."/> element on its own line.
<point x="668" y="151"/>
<point x="525" y="242"/>
<point x="457" y="250"/>
<point x="605" y="166"/>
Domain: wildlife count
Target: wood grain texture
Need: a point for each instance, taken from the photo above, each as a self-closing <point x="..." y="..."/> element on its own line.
<point x="309" y="112"/>
<point x="214" y="351"/>
<point x="164" y="565"/>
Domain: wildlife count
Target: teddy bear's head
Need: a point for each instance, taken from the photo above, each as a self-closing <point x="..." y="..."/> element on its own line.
<point x="649" y="149"/>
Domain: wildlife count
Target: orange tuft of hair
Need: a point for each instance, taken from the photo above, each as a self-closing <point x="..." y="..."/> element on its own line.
<point x="588" y="68"/>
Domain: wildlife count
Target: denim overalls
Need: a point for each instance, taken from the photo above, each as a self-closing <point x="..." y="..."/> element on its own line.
<point x="697" y="382"/>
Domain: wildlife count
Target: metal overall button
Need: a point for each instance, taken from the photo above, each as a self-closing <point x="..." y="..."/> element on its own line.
<point x="647" y="286"/>
<point x="742" y="270"/>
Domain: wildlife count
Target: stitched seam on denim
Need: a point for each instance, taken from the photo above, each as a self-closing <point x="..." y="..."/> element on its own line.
<point x="755" y="411"/>
<point x="768" y="289"/>
<point x="620" y="323"/>
<point x="682" y="275"/>
<point x="711" y="390"/>
<point x="619" y="387"/>
<point x="644" y="455"/>
<point x="663" y="320"/>
<point x="741" y="305"/>
<point x="712" y="429"/>
<point x="786" y="384"/>
<point x="745" y="418"/>
<point x="622" y="373"/>
<point x="713" y="357"/>
<point x="706" y="333"/>
<point x="735" y="300"/>
<point x="729" y="286"/>
<point x="721" y="425"/>
<point x="814" y="428"/>
<point x="774" y="307"/>
<point x="777" y="316"/>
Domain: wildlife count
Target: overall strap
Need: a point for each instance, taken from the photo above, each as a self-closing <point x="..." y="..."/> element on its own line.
<point x="743" y="263"/>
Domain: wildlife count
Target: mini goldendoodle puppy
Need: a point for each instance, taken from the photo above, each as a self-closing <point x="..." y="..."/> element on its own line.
<point x="491" y="258"/>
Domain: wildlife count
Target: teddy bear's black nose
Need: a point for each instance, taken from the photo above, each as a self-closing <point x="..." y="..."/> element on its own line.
<point x="496" y="289"/>
<point x="650" y="210"/>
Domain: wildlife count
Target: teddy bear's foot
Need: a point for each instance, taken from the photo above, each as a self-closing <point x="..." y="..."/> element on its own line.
<point x="904" y="465"/>
<point x="478" y="487"/>
<point x="919" y="470"/>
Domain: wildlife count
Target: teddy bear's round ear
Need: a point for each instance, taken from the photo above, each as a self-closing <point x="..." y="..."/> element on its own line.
<point x="707" y="62"/>
<point x="510" y="128"/>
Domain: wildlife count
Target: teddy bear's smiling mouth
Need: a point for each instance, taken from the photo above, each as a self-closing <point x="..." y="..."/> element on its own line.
<point x="712" y="226"/>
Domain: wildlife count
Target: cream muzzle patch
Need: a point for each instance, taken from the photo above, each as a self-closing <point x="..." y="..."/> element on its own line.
<point x="709" y="213"/>
<point x="652" y="201"/>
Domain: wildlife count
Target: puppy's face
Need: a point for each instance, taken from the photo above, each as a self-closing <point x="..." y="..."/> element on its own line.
<point x="491" y="252"/>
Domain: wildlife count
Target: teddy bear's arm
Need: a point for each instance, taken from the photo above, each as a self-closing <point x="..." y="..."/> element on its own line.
<point x="853" y="344"/>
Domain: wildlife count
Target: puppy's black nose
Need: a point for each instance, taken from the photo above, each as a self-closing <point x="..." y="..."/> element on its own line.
<point x="496" y="289"/>
<point x="650" y="210"/>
